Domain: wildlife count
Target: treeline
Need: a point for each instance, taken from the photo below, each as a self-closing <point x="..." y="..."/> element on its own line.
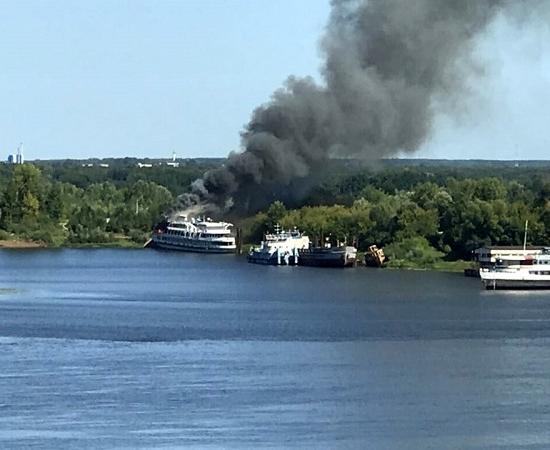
<point x="66" y="203"/>
<point x="420" y="211"/>
<point x="125" y="171"/>
<point x="422" y="215"/>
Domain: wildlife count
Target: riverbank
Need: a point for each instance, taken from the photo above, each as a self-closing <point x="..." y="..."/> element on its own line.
<point x="439" y="266"/>
<point x="122" y="243"/>
<point x="24" y="244"/>
<point x="16" y="243"/>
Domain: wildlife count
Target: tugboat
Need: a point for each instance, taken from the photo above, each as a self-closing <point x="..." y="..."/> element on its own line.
<point x="194" y="235"/>
<point x="280" y="248"/>
<point x="328" y="256"/>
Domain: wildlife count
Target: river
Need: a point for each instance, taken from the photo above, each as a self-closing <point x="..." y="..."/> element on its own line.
<point x="149" y="349"/>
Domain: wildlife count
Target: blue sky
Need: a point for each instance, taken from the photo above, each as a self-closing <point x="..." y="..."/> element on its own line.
<point x="121" y="78"/>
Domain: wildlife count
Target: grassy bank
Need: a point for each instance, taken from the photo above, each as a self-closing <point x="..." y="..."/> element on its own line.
<point x="441" y="266"/>
<point x="27" y="244"/>
<point x="121" y="243"/>
<point x="20" y="243"/>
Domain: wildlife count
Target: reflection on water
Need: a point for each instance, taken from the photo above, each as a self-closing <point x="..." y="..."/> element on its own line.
<point x="130" y="349"/>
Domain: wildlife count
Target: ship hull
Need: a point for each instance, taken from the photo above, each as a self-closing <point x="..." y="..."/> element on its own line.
<point x="271" y="260"/>
<point x="326" y="261"/>
<point x="337" y="257"/>
<point x="492" y="284"/>
<point x="194" y="248"/>
<point x="510" y="279"/>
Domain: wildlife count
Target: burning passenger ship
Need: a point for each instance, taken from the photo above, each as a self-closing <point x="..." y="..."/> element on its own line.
<point x="194" y="235"/>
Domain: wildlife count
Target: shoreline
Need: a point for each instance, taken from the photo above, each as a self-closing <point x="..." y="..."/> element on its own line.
<point x="14" y="244"/>
<point x="20" y="244"/>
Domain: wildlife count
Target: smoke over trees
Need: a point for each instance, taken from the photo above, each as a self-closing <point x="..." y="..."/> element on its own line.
<point x="386" y="62"/>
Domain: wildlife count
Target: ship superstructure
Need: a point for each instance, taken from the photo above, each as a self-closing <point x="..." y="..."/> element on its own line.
<point x="195" y="235"/>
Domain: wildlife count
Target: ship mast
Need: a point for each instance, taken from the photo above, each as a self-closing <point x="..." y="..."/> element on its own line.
<point x="525" y="236"/>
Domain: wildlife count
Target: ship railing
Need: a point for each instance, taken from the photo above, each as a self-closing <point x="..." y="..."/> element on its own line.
<point x="500" y="269"/>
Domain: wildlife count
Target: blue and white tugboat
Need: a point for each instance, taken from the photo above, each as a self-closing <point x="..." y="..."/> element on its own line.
<point x="279" y="248"/>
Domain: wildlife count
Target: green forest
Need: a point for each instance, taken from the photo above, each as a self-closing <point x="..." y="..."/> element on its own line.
<point x="423" y="214"/>
<point x="72" y="203"/>
<point x="422" y="211"/>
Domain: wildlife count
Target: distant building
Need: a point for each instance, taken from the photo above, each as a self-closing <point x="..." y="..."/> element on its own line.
<point x="104" y="165"/>
<point x="173" y="163"/>
<point x="19" y="157"/>
<point x="16" y="158"/>
<point x="141" y="165"/>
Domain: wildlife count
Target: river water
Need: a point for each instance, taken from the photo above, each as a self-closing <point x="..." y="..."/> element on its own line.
<point x="149" y="349"/>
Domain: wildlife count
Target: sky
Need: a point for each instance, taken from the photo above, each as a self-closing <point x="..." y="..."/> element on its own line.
<point x="103" y="78"/>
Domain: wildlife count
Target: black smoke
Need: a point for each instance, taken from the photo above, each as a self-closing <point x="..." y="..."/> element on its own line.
<point x="386" y="63"/>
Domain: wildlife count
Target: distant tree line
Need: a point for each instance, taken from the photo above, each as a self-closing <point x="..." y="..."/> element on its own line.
<point x="66" y="203"/>
<point x="422" y="213"/>
<point x="416" y="211"/>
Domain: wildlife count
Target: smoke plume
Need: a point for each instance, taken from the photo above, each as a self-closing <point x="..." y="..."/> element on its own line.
<point x="386" y="62"/>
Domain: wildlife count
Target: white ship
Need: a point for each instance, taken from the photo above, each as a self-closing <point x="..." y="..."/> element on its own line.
<point x="279" y="248"/>
<point x="195" y="235"/>
<point x="532" y="273"/>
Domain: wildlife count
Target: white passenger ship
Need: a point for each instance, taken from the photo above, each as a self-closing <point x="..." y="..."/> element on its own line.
<point x="532" y="273"/>
<point x="279" y="248"/>
<point x="195" y="235"/>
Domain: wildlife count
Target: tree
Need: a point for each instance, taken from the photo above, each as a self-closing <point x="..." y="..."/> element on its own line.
<point x="54" y="202"/>
<point x="275" y="213"/>
<point x="415" y="249"/>
<point x="23" y="193"/>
